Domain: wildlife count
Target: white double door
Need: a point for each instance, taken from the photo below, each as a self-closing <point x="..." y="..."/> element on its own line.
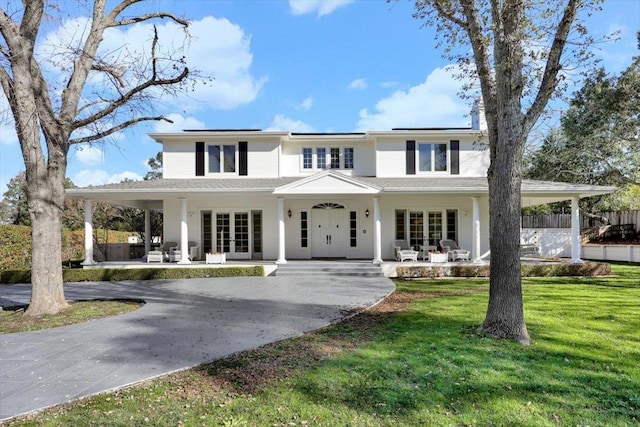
<point x="329" y="233"/>
<point x="232" y="234"/>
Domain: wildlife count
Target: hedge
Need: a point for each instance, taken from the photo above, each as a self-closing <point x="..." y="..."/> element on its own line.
<point x="112" y="274"/>
<point x="15" y="245"/>
<point x="528" y="270"/>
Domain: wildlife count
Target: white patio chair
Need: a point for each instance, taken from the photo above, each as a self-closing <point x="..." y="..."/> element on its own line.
<point x="404" y="252"/>
<point x="455" y="253"/>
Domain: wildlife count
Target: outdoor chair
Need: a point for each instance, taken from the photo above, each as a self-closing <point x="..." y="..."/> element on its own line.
<point x="167" y="248"/>
<point x="155" y="256"/>
<point x="455" y="253"/>
<point x="403" y="251"/>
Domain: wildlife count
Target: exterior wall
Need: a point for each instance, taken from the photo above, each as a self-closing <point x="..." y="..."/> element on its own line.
<point x="178" y="160"/>
<point x="364" y="156"/>
<point x="391" y="157"/>
<point x="293" y="249"/>
<point x="364" y="248"/>
<point x="195" y="207"/>
<point x="627" y="253"/>
<point x="388" y="206"/>
<point x="552" y="241"/>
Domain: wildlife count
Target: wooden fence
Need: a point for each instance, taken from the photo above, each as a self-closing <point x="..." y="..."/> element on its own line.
<point x="564" y="220"/>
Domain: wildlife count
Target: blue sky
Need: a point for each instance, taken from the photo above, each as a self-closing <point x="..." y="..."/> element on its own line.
<point x="305" y="65"/>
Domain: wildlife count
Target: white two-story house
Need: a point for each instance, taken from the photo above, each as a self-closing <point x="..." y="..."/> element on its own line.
<point x="268" y="195"/>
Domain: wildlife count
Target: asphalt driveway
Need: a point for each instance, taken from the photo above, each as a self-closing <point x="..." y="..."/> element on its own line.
<point x="184" y="323"/>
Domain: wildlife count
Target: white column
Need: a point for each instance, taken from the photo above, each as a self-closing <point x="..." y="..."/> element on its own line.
<point x="475" y="235"/>
<point x="377" y="232"/>
<point x="575" y="231"/>
<point x="281" y="236"/>
<point x="184" y="233"/>
<point x="88" y="233"/>
<point x="147" y="231"/>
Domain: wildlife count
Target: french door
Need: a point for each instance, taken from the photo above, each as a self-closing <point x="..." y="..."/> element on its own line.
<point x="426" y="227"/>
<point x="228" y="232"/>
<point x="329" y="233"/>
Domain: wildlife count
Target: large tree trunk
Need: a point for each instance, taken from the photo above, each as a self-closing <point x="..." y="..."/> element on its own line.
<point x="505" y="312"/>
<point x="46" y="205"/>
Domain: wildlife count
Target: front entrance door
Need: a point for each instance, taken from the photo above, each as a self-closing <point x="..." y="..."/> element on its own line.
<point x="232" y="234"/>
<point x="329" y="235"/>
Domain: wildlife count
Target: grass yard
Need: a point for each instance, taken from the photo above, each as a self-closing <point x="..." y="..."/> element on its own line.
<point x="77" y="312"/>
<point x="415" y="360"/>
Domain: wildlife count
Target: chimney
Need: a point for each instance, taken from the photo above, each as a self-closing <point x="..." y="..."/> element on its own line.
<point x="478" y="120"/>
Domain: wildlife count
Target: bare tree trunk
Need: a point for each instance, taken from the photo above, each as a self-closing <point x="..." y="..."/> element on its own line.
<point x="46" y="205"/>
<point x="505" y="312"/>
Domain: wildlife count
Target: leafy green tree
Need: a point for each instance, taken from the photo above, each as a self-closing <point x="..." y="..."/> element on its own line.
<point x="155" y="163"/>
<point x="515" y="50"/>
<point x="597" y="141"/>
<point x="14" y="207"/>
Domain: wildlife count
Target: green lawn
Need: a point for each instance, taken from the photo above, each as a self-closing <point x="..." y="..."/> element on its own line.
<point x="417" y="364"/>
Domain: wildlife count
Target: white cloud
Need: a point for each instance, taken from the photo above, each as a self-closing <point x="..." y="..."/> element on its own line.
<point x="433" y="103"/>
<point x="215" y="48"/>
<point x="283" y="123"/>
<point x="89" y="155"/>
<point x="306" y="104"/>
<point x="360" y="84"/>
<point x="99" y="177"/>
<point x="389" y="84"/>
<point x="321" y="7"/>
<point x="179" y="124"/>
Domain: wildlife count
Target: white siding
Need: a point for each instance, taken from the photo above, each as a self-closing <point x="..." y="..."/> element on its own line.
<point x="179" y="160"/>
<point x="391" y="157"/>
<point x="389" y="205"/>
<point x="262" y="159"/>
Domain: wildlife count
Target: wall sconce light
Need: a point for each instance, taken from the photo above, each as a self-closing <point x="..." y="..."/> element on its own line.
<point x="366" y="213"/>
<point x="289" y="213"/>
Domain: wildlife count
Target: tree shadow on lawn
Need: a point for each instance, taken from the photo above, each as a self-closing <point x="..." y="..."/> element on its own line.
<point x="395" y="362"/>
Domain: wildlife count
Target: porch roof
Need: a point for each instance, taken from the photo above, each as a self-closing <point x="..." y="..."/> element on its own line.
<point x="534" y="191"/>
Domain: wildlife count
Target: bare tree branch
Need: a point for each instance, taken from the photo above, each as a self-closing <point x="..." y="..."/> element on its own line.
<point x="149" y="16"/>
<point x="550" y="76"/>
<point x="127" y="96"/>
<point x="114" y="129"/>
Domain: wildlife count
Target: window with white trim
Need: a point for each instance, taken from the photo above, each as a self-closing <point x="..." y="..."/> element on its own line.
<point x="307" y="158"/>
<point x="221" y="158"/>
<point x="432" y="157"/>
<point x="319" y="158"/>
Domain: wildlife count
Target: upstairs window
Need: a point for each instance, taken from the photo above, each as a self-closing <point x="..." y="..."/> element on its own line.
<point x="432" y="157"/>
<point x="327" y="158"/>
<point x="348" y="158"/>
<point x="335" y="158"/>
<point x="321" y="156"/>
<point x="222" y="158"/>
<point x="307" y="158"/>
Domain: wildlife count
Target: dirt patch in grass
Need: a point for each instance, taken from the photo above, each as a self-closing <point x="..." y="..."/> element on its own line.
<point x="247" y="372"/>
<point x="13" y="319"/>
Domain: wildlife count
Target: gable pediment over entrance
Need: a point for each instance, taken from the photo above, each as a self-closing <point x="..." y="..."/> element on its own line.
<point x="327" y="182"/>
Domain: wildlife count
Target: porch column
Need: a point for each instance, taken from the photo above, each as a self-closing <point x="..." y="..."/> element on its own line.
<point x="575" y="231"/>
<point x="377" y="232"/>
<point x="184" y="233"/>
<point x="475" y="235"/>
<point x="88" y="233"/>
<point x="147" y="231"/>
<point x="281" y="242"/>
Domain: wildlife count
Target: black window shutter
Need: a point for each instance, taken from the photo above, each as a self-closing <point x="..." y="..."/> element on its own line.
<point x="411" y="157"/>
<point x="200" y="158"/>
<point x="455" y="157"/>
<point x="242" y="158"/>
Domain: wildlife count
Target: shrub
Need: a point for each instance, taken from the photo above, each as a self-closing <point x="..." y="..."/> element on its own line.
<point x="112" y="274"/>
<point x="528" y="270"/>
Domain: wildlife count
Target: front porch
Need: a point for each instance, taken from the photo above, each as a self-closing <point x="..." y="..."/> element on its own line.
<point x="391" y="269"/>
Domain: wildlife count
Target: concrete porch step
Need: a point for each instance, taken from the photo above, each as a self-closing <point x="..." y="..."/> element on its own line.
<point x="329" y="268"/>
